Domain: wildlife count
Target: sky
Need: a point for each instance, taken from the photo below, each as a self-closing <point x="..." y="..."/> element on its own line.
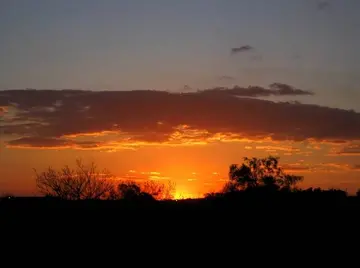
<point x="228" y="79"/>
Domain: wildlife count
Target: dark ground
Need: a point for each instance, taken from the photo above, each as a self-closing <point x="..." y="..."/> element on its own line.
<point x="236" y="207"/>
<point x="236" y="225"/>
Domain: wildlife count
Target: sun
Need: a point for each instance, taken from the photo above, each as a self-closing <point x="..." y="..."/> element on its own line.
<point x="183" y="195"/>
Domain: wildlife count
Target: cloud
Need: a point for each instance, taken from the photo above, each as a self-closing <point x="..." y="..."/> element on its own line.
<point x="275" y="89"/>
<point x="323" y="5"/>
<point x="109" y="120"/>
<point x="296" y="168"/>
<point x="284" y="89"/>
<point x="2" y="110"/>
<point x="245" y="48"/>
<point x="143" y="176"/>
<point x="51" y="143"/>
<point x="349" y="150"/>
<point x="356" y="167"/>
<point x="269" y="148"/>
<point x="322" y="167"/>
<point x="39" y="142"/>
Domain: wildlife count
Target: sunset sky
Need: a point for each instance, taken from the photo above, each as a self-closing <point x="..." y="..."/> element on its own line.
<point x="179" y="90"/>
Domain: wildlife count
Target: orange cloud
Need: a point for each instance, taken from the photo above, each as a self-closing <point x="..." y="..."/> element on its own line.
<point x="301" y="167"/>
<point x="348" y="150"/>
<point x="3" y="110"/>
<point x="91" y="134"/>
<point x="278" y="148"/>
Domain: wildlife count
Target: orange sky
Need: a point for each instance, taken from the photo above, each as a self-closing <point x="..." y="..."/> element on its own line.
<point x="195" y="169"/>
<point x="188" y="138"/>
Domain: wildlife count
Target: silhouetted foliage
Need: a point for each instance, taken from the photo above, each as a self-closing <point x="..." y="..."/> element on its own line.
<point x="131" y="190"/>
<point x="128" y="189"/>
<point x="255" y="185"/>
<point x="84" y="182"/>
<point x="158" y="190"/>
<point x="260" y="172"/>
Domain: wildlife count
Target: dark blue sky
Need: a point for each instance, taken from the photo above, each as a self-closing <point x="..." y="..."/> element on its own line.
<point x="166" y="44"/>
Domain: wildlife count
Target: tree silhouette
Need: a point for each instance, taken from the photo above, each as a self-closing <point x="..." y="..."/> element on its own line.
<point x="159" y="190"/>
<point x="259" y="172"/>
<point x="84" y="182"/>
<point x="131" y="190"/>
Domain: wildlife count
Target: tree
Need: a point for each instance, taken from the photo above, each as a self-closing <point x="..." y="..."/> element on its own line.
<point x="84" y="182"/>
<point x="158" y="190"/>
<point x="129" y="190"/>
<point x="260" y="172"/>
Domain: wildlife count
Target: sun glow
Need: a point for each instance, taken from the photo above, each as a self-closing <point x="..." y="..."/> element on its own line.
<point x="183" y="195"/>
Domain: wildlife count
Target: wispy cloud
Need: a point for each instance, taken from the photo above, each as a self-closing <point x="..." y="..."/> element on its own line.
<point x="348" y="150"/>
<point x="321" y="167"/>
<point x="275" y="89"/>
<point x="51" y="143"/>
<point x="269" y="148"/>
<point x="240" y="49"/>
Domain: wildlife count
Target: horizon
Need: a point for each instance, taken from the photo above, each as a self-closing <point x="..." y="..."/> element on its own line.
<point x="179" y="91"/>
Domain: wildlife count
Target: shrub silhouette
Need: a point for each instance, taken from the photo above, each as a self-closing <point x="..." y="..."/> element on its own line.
<point x="259" y="172"/>
<point x="131" y="190"/>
<point x="158" y="190"/>
<point x="84" y="182"/>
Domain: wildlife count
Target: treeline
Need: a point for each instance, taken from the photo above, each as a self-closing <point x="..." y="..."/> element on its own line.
<point x="90" y="183"/>
<point x="257" y="178"/>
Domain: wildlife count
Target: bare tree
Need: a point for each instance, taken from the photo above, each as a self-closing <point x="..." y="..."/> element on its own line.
<point x="84" y="182"/>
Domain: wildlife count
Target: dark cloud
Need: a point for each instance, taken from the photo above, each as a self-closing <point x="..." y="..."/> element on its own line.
<point x="139" y="117"/>
<point x="245" y="48"/>
<point x="284" y="89"/>
<point x="275" y="89"/>
<point x="43" y="142"/>
<point x="356" y="167"/>
<point x="322" y="167"/>
<point x="39" y="142"/>
<point x="322" y="5"/>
